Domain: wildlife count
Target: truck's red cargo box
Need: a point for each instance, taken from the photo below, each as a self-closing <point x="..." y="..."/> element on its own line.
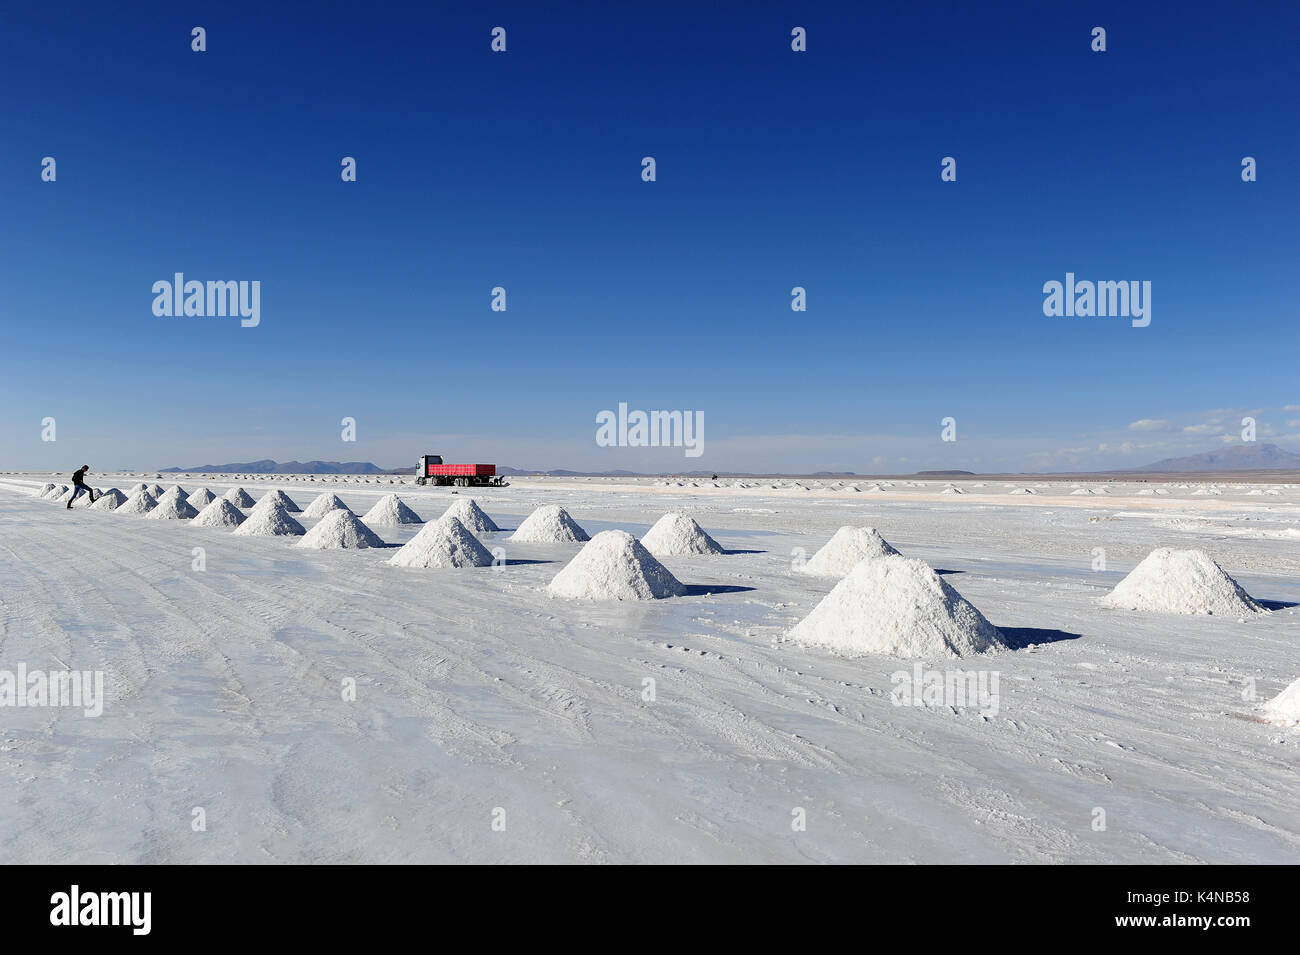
<point x="462" y="470"/>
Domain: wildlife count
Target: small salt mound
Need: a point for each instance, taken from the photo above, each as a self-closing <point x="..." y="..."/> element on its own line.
<point x="45" y="490"/>
<point x="1082" y="490"/>
<point x="173" y="508"/>
<point x="550" y="523"/>
<point x="219" y="513"/>
<point x="270" y="521"/>
<point x="1181" y="581"/>
<point x="323" y="504"/>
<point x="139" y="487"/>
<point x="614" y="566"/>
<point x="1146" y="492"/>
<point x="280" y="498"/>
<point x="340" y="530"/>
<point x="157" y="491"/>
<point x="471" y="515"/>
<point x="952" y="490"/>
<point x="201" y="498"/>
<point x="141" y="502"/>
<point x="442" y="543"/>
<point x="174" y="491"/>
<point x="1024" y="490"/>
<point x="845" y="550"/>
<point x="109" y="500"/>
<point x="1284" y="709"/>
<point x="390" y="511"/>
<point x="239" y="497"/>
<point x="676" y="534"/>
<point x="56" y="493"/>
<point x="898" y="606"/>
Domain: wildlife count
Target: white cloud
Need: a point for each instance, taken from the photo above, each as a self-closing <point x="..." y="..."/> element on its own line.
<point x="1151" y="424"/>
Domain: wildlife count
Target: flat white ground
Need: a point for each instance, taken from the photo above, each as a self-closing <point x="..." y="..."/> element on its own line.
<point x="476" y="691"/>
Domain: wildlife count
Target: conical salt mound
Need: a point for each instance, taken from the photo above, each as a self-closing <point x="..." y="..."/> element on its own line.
<point x="201" y="498"/>
<point x="847" y="548"/>
<point x="219" y="513"/>
<point x="141" y="502"/>
<point x="677" y="534"/>
<point x="1181" y="581"/>
<point x="390" y="512"/>
<point x="549" y="524"/>
<point x="174" y="491"/>
<point x="323" y="504"/>
<point x="157" y="491"/>
<point x="442" y="543"/>
<point x="239" y="497"/>
<point x="340" y="530"/>
<point x="110" y="500"/>
<point x="173" y="508"/>
<point x="614" y="565"/>
<point x="271" y="520"/>
<point x="56" y="492"/>
<point x="45" y="490"/>
<point x="278" y="497"/>
<point x="1284" y="709"/>
<point x="139" y="487"/>
<point x="471" y="515"/>
<point x="897" y="606"/>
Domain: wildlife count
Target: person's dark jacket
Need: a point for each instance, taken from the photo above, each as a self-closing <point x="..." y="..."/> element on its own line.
<point x="79" y="476"/>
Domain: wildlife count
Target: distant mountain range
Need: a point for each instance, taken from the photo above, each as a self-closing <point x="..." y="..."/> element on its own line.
<point x="286" y="467"/>
<point x="1239" y="457"/>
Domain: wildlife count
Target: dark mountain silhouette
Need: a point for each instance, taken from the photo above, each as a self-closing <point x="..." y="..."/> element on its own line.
<point x="1238" y="457"/>
<point x="285" y="467"/>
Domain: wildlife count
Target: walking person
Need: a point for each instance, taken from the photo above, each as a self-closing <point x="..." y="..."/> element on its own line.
<point x="79" y="485"/>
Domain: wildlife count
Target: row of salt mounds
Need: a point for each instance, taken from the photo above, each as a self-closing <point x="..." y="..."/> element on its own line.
<point x="898" y="606"/>
<point x="173" y="507"/>
<point x="109" y="500"/>
<point x="55" y="492"/>
<point x="278" y="497"/>
<point x="239" y="497"/>
<point x="614" y="565"/>
<point x="201" y="498"/>
<point x="324" y="503"/>
<point x="390" y="511"/>
<point x="549" y="524"/>
<point x="472" y="516"/>
<point x="1181" y="581"/>
<point x="219" y="513"/>
<point x="271" y="520"/>
<point x="1284" y="709"/>
<point x="445" y="542"/>
<point x="848" y="547"/>
<point x="339" y="530"/>
<point x="676" y="534"/>
<point x="141" y="502"/>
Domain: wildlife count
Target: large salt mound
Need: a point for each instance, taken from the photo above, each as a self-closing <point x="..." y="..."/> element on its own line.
<point x="471" y="515"/>
<point x="676" y="534"/>
<point x="338" y="530"/>
<point x="141" y="502"/>
<point x="174" y="508"/>
<point x="1181" y="581"/>
<point x="1284" y="709"/>
<point x="614" y="566"/>
<point x="550" y="523"/>
<point x="278" y="497"/>
<point x="174" y="491"/>
<point x="323" y="504"/>
<point x="55" y="492"/>
<point x="390" y="511"/>
<point x="898" y="606"/>
<point x="442" y="543"/>
<point x="219" y="513"/>
<point x="270" y="521"/>
<point x="201" y="498"/>
<point x="239" y="497"/>
<point x="847" y="548"/>
<point x="109" y="500"/>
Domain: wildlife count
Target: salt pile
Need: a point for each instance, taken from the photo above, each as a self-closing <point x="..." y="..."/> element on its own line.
<point x="390" y="512"/>
<point x="1181" y="581"/>
<point x="109" y="500"/>
<point x="324" y="503"/>
<point x="157" y="491"/>
<point x="271" y="520"/>
<point x="174" y="491"/>
<point x="45" y="490"/>
<point x="141" y="502"/>
<point x="676" y="534"/>
<point x="1284" y="709"/>
<point x="340" y="530"/>
<point x="55" y="493"/>
<point x="280" y="498"/>
<point x="847" y="548"/>
<point x="1024" y="490"/>
<point x="239" y="497"/>
<point x="173" y="508"/>
<point x="442" y="543"/>
<point x="550" y="523"/>
<point x="471" y="515"/>
<point x="614" y="566"/>
<point x="898" y="606"/>
<point x="201" y="498"/>
<point x="219" y="513"/>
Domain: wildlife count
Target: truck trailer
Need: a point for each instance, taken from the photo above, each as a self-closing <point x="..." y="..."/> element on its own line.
<point x="431" y="470"/>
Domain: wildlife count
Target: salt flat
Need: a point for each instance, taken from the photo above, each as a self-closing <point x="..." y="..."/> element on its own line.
<point x="478" y="692"/>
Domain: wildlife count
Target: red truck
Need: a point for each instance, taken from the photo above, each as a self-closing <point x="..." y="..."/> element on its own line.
<point x="431" y="470"/>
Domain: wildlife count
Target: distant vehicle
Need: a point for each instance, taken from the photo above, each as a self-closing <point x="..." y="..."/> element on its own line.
<point x="431" y="470"/>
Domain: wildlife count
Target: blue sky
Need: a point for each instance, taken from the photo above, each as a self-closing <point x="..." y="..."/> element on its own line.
<point x="522" y="170"/>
